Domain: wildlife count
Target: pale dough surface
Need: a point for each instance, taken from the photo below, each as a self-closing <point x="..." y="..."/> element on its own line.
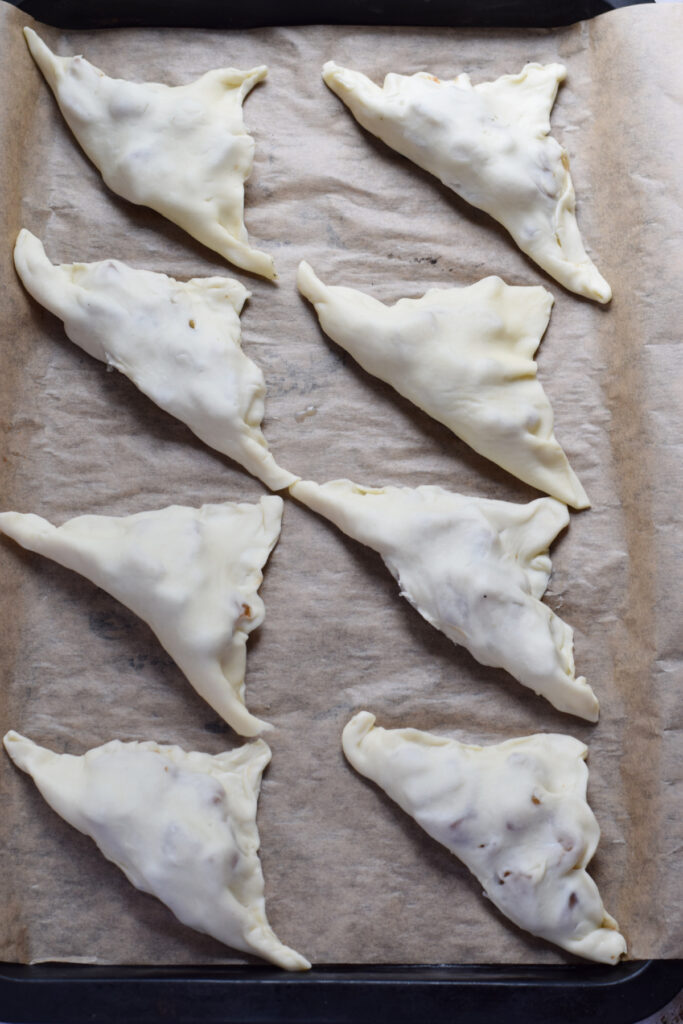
<point x="474" y="568"/>
<point x="515" y="813"/>
<point x="181" y="826"/>
<point x="465" y="356"/>
<point x="178" y="341"/>
<point x="183" y="151"/>
<point x="191" y="574"/>
<point x="490" y="143"/>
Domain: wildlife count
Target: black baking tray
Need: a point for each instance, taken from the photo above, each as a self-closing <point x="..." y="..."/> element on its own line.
<point x="58" y="993"/>
<point x="444" y="994"/>
<point x="232" y="14"/>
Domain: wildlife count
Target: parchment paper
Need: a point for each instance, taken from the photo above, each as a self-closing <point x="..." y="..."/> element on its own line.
<point x="349" y="877"/>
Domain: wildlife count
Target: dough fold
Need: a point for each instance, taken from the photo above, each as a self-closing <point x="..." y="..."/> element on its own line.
<point x="514" y="813"/>
<point x="178" y="342"/>
<point x="475" y="569"/>
<point x="490" y="144"/>
<point x="191" y="574"/>
<point x="183" y="150"/>
<point x="181" y="826"/>
<point x="465" y="357"/>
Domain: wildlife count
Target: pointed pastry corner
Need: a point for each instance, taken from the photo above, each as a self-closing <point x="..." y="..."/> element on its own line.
<point x="265" y="943"/>
<point x="569" y="490"/>
<point x="596" y="287"/>
<point x="263" y="264"/>
<point x="229" y="700"/>
<point x="52" y="286"/>
<point x="249" y="725"/>
<point x="606" y="945"/>
<point x="330" y="71"/>
<point x="355" y="731"/>
<point x="251" y="78"/>
<point x="271" y="474"/>
<point x="285" y="481"/>
<point x="23" y="751"/>
<point x="555" y="72"/>
<point x="303" y="490"/>
<point x="29" y="255"/>
<point x="253" y="758"/>
<point x="590" y="703"/>
<point x="350" y="86"/>
<point x="293" y="961"/>
<point x="560" y="71"/>
<point x="260" y="753"/>
<point x="48" y="62"/>
<point x="240" y="254"/>
<point x="549" y="516"/>
<point x="308" y="283"/>
<point x="26" y="529"/>
<point x="26" y="240"/>
<point x="576" y="696"/>
<point x="272" y="507"/>
<point x="35" y="43"/>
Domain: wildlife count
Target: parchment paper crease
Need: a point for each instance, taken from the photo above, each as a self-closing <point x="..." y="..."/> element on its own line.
<point x="349" y="878"/>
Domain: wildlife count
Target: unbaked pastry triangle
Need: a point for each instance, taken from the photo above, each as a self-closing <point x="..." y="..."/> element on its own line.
<point x="177" y="341"/>
<point x="182" y="150"/>
<point x="475" y="569"/>
<point x="490" y="144"/>
<point x="181" y="826"/>
<point x="514" y="813"/>
<point x="191" y="574"/>
<point x="465" y="356"/>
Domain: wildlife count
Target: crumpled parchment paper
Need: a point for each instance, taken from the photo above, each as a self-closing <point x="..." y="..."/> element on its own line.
<point x="349" y="878"/>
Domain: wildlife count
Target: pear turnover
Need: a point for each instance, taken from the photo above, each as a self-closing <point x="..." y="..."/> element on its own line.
<point x="191" y="574"/>
<point x="181" y="826"/>
<point x="490" y="144"/>
<point x="183" y="150"/>
<point x="515" y="814"/>
<point x="465" y="357"/>
<point x="177" y="341"/>
<point x="473" y="568"/>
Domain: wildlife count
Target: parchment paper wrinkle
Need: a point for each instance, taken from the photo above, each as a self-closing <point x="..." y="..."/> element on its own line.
<point x="348" y="878"/>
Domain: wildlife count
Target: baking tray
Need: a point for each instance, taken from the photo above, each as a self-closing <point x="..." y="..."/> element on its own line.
<point x="57" y="993"/>
<point x="480" y="994"/>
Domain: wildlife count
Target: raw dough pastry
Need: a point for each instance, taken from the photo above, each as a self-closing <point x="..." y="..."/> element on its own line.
<point x="515" y="814"/>
<point x="474" y="568"/>
<point x="181" y="826"/>
<point x="465" y="356"/>
<point x="191" y="574"/>
<point x="179" y="343"/>
<point x="183" y="150"/>
<point x="489" y="143"/>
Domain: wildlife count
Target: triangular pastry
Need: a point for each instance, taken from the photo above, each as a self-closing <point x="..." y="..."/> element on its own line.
<point x="474" y="568"/>
<point x="181" y="826"/>
<point x="489" y="143"/>
<point x="465" y="356"/>
<point x="191" y="574"/>
<point x="177" y="341"/>
<point x="182" y="150"/>
<point x="515" y="814"/>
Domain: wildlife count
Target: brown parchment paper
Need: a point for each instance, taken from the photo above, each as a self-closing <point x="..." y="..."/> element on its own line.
<point x="349" y="878"/>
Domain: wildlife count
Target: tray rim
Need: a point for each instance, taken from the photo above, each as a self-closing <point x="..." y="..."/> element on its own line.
<point x="67" y="993"/>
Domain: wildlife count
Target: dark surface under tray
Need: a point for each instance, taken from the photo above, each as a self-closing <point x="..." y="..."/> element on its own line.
<point x="333" y="994"/>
